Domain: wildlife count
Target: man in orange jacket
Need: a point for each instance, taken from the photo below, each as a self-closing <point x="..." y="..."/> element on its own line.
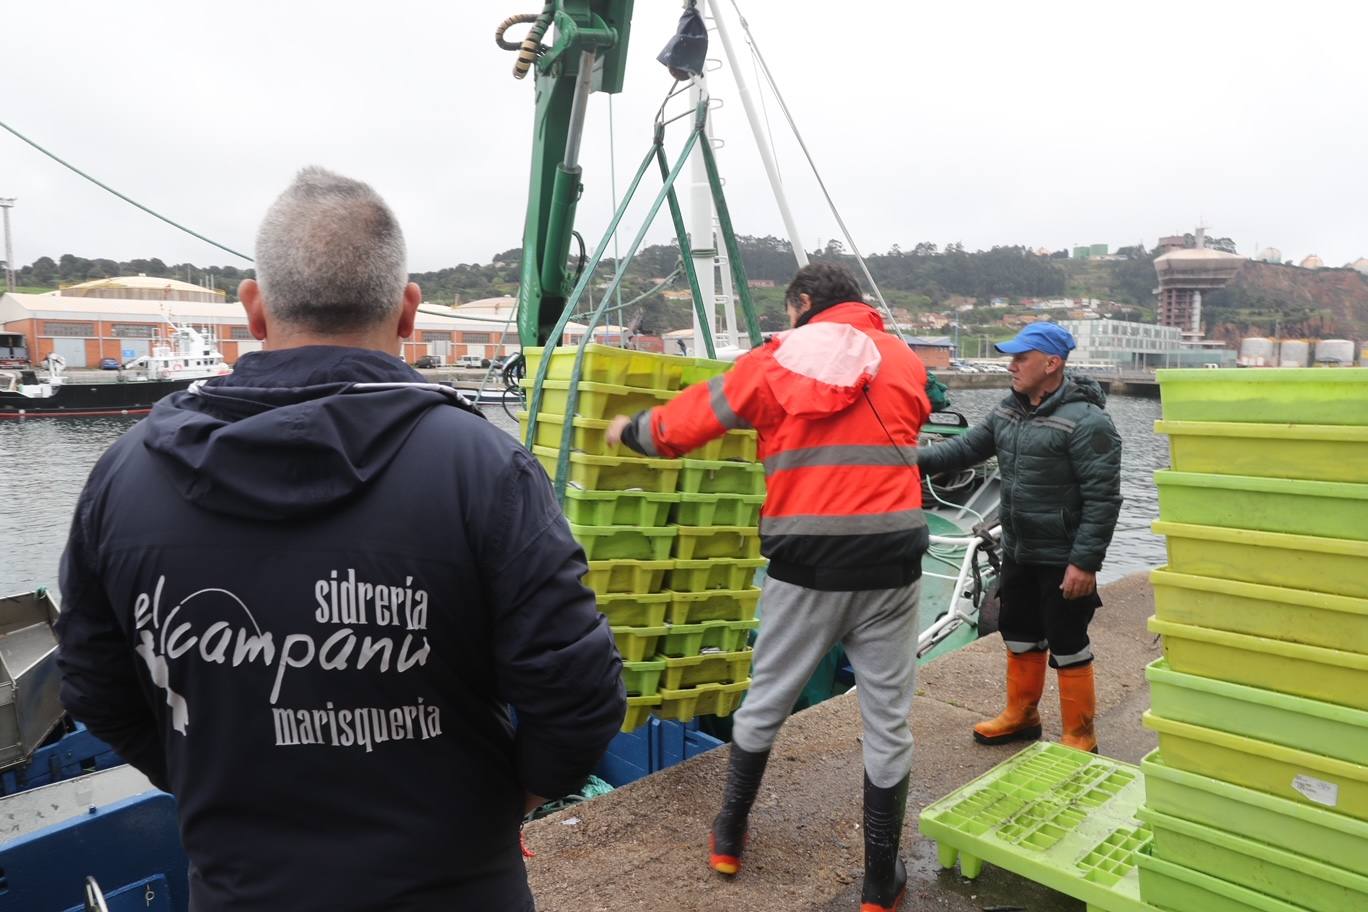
<point x="838" y="404"/>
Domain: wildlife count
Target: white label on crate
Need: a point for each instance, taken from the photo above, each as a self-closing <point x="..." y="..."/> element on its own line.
<point x="1317" y="790"/>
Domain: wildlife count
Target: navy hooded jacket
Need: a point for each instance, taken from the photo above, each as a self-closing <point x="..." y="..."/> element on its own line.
<point x="300" y="598"/>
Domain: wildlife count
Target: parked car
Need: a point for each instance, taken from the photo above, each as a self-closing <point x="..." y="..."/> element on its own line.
<point x="472" y="361"/>
<point x="110" y="364"/>
<point x="428" y="362"/>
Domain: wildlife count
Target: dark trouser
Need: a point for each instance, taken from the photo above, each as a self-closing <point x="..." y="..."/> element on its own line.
<point x="1035" y="615"/>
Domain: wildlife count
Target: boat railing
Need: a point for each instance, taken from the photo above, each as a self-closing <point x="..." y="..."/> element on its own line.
<point x="960" y="609"/>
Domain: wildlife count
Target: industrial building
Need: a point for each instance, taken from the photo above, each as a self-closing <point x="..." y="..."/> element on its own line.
<point x="1141" y="346"/>
<point x="1184" y="275"/>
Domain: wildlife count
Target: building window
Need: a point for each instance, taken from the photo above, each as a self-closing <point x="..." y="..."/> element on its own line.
<point x="432" y="335"/>
<point x="241" y="333"/>
<point x="133" y="330"/>
<point x="476" y="338"/>
<point x="69" y="329"/>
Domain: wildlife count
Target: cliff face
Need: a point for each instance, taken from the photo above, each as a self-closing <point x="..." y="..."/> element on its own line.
<point x="1311" y="303"/>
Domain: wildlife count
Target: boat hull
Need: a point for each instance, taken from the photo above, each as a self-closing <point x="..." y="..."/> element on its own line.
<point x="77" y="400"/>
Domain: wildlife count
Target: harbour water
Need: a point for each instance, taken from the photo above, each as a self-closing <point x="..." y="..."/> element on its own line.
<point x="44" y="463"/>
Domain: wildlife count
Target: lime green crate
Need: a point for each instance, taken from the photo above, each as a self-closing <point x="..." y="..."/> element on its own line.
<point x="1311" y="884"/>
<point x="1313" y="563"/>
<point x="1305" y="829"/>
<point x="1326" y="508"/>
<point x="1165" y="885"/>
<point x="1252" y="712"/>
<point x="618" y="508"/>
<point x="638" y="711"/>
<point x="701" y="370"/>
<point x="613" y="473"/>
<point x="1266" y="396"/>
<point x="717" y="573"/>
<point x="718" y="509"/>
<point x="713" y="668"/>
<point x="1275" y="612"/>
<point x="631" y="609"/>
<point x="700" y="542"/>
<point x="715" y="476"/>
<point x="645" y="543"/>
<point x="1052" y="814"/>
<point x="587" y="434"/>
<point x="1306" y="451"/>
<point x="1314" y="672"/>
<point x="702" y="700"/>
<point x="595" y="400"/>
<point x="610" y="577"/>
<point x="713" y="605"/>
<point x="637" y="644"/>
<point x="1296" y="775"/>
<point x="642" y="679"/>
<point x="606" y="364"/>
<point x="681" y="640"/>
<point x="738" y="445"/>
<point x="728" y="636"/>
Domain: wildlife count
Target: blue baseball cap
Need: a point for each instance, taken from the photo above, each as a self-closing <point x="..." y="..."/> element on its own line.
<point x="1050" y="338"/>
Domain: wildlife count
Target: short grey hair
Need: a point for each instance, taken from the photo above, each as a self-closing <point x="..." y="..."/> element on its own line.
<point x="330" y="255"/>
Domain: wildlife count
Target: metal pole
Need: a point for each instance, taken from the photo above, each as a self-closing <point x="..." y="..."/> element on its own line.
<point x="10" y="285"/>
<point x="701" y="238"/>
<point x="584" y="83"/>
<point x="757" y="130"/>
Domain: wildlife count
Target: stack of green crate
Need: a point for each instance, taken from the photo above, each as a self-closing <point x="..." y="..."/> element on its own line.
<point x="672" y="544"/>
<point x="1258" y="795"/>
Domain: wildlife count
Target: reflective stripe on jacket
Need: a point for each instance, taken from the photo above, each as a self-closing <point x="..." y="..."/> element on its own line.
<point x="838" y="404"/>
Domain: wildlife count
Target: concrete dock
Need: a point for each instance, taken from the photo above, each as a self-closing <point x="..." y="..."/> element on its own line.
<point x="644" y="845"/>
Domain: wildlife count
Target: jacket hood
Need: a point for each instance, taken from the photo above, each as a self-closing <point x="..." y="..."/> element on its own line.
<point x="821" y="368"/>
<point x="290" y="432"/>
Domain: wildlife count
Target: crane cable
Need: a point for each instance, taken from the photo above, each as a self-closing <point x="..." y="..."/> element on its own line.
<point x="126" y="199"/>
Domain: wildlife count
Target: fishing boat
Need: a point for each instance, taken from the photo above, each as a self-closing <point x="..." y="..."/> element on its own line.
<point x="188" y="355"/>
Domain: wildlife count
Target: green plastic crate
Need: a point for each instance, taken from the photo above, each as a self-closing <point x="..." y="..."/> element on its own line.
<point x="1289" y="773"/>
<point x="1165" y="885"/>
<point x="715" y="476"/>
<point x="1317" y="564"/>
<point x="728" y="636"/>
<point x="609" y="577"/>
<point x="1299" y="827"/>
<point x="1325" y="508"/>
<point x="587" y="434"/>
<point x="702" y="700"/>
<point x="1052" y="814"/>
<point x="625" y="542"/>
<point x="638" y="711"/>
<point x="681" y="640"/>
<point x="1309" y="883"/>
<point x="738" y="445"/>
<point x="716" y="573"/>
<point x="637" y="644"/>
<point x="713" y="605"/>
<point x="713" y="668"/>
<point x="1266" y="396"/>
<point x="618" y="508"/>
<point x="606" y="364"/>
<point x="1275" y="612"/>
<point x="1306" y="451"/>
<point x="612" y="473"/>
<point x="701" y="370"/>
<point x="595" y="400"/>
<point x="1311" y="725"/>
<point x="700" y="542"/>
<point x="718" y="509"/>
<point x="688" y="640"/>
<point x="642" y="679"/>
<point x="630" y="609"/>
<point x="1314" y="672"/>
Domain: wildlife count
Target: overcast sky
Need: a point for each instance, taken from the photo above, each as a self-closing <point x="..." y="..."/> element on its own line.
<point x="1047" y="124"/>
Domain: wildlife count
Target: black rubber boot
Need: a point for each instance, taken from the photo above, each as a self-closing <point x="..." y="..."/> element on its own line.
<point x="885" y="878"/>
<point x="728" y="837"/>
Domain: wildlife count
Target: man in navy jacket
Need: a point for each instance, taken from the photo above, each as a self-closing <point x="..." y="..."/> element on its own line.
<point x="301" y="598"/>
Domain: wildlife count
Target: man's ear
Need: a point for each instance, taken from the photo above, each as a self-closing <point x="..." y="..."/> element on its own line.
<point x="413" y="296"/>
<point x="249" y="294"/>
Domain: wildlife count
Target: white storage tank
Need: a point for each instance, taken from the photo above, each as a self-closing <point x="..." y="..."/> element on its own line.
<point x="1294" y="353"/>
<point x="1335" y="352"/>
<point x="1258" y="351"/>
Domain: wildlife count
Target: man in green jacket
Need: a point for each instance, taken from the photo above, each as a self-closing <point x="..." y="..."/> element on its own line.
<point x="1060" y="459"/>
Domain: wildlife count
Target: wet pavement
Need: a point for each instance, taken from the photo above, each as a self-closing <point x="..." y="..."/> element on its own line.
<point x="643" y="846"/>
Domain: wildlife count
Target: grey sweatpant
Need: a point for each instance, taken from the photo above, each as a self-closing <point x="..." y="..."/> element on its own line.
<point x="798" y="627"/>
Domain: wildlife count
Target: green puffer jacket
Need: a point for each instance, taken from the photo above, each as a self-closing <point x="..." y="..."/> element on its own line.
<point x="1061" y="473"/>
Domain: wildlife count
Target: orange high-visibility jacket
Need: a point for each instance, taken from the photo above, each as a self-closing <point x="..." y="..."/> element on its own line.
<point x="838" y="404"/>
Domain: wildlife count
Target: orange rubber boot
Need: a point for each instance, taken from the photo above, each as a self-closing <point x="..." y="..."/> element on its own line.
<point x="1025" y="683"/>
<point x="1077" y="706"/>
